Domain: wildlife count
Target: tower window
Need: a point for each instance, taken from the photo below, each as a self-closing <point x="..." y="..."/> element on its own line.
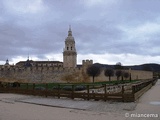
<point x="67" y="48"/>
<point x="71" y="48"/>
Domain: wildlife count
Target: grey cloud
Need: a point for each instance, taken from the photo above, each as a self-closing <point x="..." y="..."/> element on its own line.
<point x="96" y="29"/>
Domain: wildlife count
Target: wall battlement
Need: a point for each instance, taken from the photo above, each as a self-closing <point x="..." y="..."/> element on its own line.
<point x="87" y="62"/>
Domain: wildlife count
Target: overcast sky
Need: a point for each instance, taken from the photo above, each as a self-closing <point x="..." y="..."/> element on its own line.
<point x="107" y="31"/>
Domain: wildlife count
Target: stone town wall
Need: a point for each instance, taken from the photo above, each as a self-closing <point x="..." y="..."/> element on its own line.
<point x="135" y="74"/>
<point x="59" y="74"/>
<point x="38" y="74"/>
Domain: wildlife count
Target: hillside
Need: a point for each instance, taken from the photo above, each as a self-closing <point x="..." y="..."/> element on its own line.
<point x="148" y="67"/>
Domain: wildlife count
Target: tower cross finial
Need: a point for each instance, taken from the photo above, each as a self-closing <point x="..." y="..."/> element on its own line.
<point x="28" y="56"/>
<point x="69" y="27"/>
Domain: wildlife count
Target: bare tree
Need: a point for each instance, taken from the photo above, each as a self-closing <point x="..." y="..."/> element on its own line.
<point x="118" y="66"/>
<point x="118" y="74"/>
<point x="130" y="77"/>
<point x="126" y="75"/>
<point x="93" y="71"/>
<point x="109" y="73"/>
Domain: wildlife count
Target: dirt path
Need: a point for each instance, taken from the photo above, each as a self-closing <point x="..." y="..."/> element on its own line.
<point x="12" y="109"/>
<point x="148" y="105"/>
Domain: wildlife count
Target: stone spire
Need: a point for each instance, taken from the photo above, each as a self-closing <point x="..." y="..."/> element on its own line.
<point x="70" y="31"/>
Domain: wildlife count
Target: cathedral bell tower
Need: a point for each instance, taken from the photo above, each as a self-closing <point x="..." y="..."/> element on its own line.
<point x="69" y="52"/>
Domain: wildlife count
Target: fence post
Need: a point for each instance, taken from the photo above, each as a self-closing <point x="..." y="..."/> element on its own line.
<point x="123" y="89"/>
<point x="105" y="92"/>
<point x="33" y="88"/>
<point x="46" y="90"/>
<point x="133" y="92"/>
<point x="8" y="87"/>
<point x="123" y="98"/>
<point x="0" y="85"/>
<point x="26" y="90"/>
<point x="72" y="91"/>
<point x="27" y="86"/>
<point x="58" y="90"/>
<point x="133" y="89"/>
<point x="87" y="92"/>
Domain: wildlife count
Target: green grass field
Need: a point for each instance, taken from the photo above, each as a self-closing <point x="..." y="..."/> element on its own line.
<point x="50" y="86"/>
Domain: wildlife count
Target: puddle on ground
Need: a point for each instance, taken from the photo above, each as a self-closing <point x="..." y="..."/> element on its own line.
<point x="155" y="102"/>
